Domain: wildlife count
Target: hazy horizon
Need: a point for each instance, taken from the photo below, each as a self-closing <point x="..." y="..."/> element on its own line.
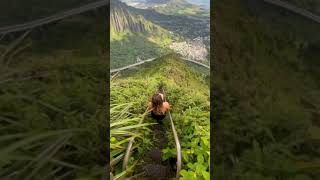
<point x="200" y="2"/>
<point x="197" y="2"/>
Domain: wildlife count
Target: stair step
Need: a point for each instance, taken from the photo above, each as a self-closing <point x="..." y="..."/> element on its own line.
<point x="154" y="155"/>
<point x="156" y="171"/>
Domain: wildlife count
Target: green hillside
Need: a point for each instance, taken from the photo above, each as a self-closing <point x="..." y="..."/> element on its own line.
<point x="266" y="93"/>
<point x="188" y="93"/>
<point x="132" y="36"/>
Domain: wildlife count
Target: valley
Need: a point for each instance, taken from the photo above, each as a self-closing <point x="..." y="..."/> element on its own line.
<point x="153" y="34"/>
<point x="173" y="7"/>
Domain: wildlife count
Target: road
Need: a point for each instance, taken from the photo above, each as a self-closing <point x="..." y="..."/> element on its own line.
<point x="53" y="18"/>
<point x="294" y="9"/>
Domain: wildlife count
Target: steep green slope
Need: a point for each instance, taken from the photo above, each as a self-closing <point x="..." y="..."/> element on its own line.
<point x="188" y="93"/>
<point x="266" y="93"/>
<point x="133" y="37"/>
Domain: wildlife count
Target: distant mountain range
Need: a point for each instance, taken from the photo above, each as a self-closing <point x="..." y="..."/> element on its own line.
<point x="125" y="19"/>
<point x="133" y="37"/>
<point x="139" y="34"/>
<point x="205" y="3"/>
<point x="182" y="8"/>
<point x="173" y="7"/>
<point x="198" y="2"/>
<point x="157" y="1"/>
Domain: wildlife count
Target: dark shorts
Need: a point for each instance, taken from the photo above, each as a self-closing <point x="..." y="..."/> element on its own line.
<point x="157" y="116"/>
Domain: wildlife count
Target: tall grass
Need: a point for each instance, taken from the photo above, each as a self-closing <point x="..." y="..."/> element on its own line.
<point x="52" y="124"/>
<point x="188" y="94"/>
<point x="124" y="125"/>
<point x="52" y="98"/>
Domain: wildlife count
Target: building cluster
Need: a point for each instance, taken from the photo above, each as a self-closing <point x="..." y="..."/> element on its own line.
<point x="194" y="50"/>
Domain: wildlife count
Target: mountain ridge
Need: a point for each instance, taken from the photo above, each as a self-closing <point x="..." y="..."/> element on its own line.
<point x="133" y="38"/>
<point x="122" y="19"/>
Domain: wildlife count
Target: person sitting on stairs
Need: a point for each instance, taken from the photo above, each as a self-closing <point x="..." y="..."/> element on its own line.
<point x="158" y="107"/>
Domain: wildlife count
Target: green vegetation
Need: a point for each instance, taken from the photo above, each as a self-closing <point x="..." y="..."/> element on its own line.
<point x="133" y="37"/>
<point x="188" y="93"/>
<point x="124" y="126"/>
<point x="52" y="103"/>
<point x="266" y="93"/>
<point x="137" y="45"/>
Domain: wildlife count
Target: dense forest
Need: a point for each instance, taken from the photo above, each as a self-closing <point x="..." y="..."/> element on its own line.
<point x="266" y="93"/>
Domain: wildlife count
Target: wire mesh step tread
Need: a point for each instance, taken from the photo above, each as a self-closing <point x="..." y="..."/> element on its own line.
<point x="156" y="171"/>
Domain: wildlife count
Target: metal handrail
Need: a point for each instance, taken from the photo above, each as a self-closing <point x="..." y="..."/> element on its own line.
<point x="300" y="11"/>
<point x="177" y="142"/>
<point x="52" y="18"/>
<point x="196" y="62"/>
<point x="131" y="65"/>
<point x="178" y="146"/>
<point x="152" y="59"/>
<point x="128" y="151"/>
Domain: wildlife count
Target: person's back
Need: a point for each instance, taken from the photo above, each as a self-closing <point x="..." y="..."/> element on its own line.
<point x="158" y="107"/>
